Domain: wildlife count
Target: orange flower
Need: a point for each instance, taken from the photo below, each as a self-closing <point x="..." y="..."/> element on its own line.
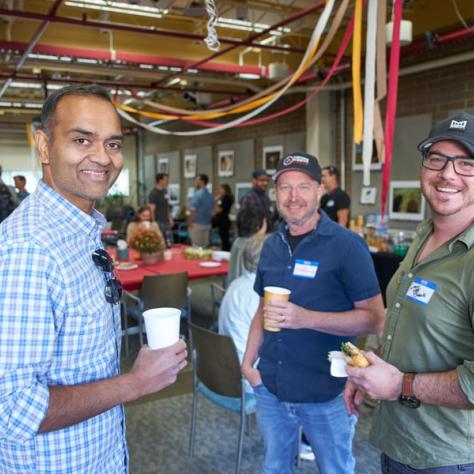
<point x="147" y="241"/>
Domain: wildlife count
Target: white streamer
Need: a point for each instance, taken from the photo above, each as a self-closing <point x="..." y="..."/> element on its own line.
<point x="212" y="40"/>
<point x="369" y="90"/>
<point x="317" y="32"/>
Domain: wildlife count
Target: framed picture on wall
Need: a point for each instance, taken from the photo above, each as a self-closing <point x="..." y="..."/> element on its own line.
<point x="368" y="195"/>
<point x="173" y="194"/>
<point x="406" y="202"/>
<point x="225" y="163"/>
<point x="271" y="156"/>
<point x="240" y="190"/>
<point x="357" y="158"/>
<point x="190" y="164"/>
<point x="163" y="166"/>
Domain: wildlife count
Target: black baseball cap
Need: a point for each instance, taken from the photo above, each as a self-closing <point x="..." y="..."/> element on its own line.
<point x="459" y="128"/>
<point x="299" y="161"/>
<point x="259" y="172"/>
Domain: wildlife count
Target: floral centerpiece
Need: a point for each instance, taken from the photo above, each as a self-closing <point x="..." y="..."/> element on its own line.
<point x="149" y="243"/>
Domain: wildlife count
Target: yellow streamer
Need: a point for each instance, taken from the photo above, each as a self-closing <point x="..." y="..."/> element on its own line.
<point x="356" y="87"/>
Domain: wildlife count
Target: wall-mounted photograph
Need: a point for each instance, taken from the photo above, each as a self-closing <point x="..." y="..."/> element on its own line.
<point x="406" y="202"/>
<point x="163" y="166"/>
<point x="368" y="195"/>
<point x="357" y="158"/>
<point x="240" y="190"/>
<point x="173" y="194"/>
<point x="271" y="156"/>
<point x="225" y="163"/>
<point x="190" y="164"/>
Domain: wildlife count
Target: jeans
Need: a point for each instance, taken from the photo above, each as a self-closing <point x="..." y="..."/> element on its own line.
<point x="389" y="466"/>
<point x="328" y="427"/>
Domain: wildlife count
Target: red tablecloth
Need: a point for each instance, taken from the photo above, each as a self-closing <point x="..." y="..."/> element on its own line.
<point x="132" y="279"/>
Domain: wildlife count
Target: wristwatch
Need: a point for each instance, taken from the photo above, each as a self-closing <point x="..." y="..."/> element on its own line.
<point x="407" y="398"/>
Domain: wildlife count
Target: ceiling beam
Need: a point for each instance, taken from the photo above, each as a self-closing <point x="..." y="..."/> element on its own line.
<point x="140" y="30"/>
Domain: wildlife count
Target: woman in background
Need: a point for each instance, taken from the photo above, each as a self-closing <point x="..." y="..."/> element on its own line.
<point x="224" y="200"/>
<point x="143" y="220"/>
<point x="250" y="221"/>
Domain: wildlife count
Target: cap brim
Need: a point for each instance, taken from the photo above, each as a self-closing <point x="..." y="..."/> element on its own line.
<point x="429" y="142"/>
<point x="279" y="173"/>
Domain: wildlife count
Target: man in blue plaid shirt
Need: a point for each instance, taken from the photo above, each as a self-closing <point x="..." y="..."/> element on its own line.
<point x="61" y="390"/>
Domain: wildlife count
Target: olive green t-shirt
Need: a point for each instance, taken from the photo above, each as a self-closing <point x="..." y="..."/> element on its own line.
<point x="429" y="328"/>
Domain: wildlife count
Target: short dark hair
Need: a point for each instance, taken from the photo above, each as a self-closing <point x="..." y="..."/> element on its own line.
<point x="204" y="178"/>
<point x="249" y="221"/>
<point x="20" y="177"/>
<point x="51" y="103"/>
<point x="160" y="176"/>
<point x="333" y="171"/>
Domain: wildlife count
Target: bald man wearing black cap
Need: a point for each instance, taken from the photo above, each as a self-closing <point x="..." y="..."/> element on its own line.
<point x="335" y="296"/>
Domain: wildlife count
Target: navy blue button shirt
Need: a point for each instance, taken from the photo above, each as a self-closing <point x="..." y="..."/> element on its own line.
<point x="294" y="362"/>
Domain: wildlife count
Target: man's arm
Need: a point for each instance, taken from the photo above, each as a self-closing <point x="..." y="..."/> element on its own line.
<point x="343" y="217"/>
<point x="191" y="218"/>
<point x="152" y="371"/>
<point x="383" y="381"/>
<point x="254" y="341"/>
<point x="367" y="317"/>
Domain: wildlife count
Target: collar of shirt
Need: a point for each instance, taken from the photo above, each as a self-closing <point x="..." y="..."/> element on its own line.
<point x="466" y="237"/>
<point x="68" y="212"/>
<point x="324" y="226"/>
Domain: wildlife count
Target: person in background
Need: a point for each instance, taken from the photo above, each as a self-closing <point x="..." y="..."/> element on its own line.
<point x="224" y="200"/>
<point x="20" y="183"/>
<point x="60" y="332"/>
<point x="335" y="203"/>
<point x="143" y="220"/>
<point x="334" y="297"/>
<point x="425" y="373"/>
<point x="250" y="221"/>
<point x="200" y="219"/>
<point x="257" y="197"/>
<point x="158" y="202"/>
<point x="235" y="317"/>
<point x="8" y="199"/>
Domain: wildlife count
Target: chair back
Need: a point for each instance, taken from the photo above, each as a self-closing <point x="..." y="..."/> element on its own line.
<point x="165" y="290"/>
<point x="218" y="366"/>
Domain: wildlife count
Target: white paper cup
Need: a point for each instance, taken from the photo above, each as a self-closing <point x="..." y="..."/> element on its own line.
<point x="162" y="326"/>
<point x="167" y="254"/>
<point x="338" y="364"/>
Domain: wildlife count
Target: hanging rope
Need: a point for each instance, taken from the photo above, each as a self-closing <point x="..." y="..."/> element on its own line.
<point x="212" y="41"/>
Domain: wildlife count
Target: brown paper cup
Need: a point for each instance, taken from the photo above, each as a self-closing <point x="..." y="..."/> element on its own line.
<point x="273" y="293"/>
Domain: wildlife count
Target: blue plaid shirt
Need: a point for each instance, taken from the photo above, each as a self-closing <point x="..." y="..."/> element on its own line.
<point x="55" y="329"/>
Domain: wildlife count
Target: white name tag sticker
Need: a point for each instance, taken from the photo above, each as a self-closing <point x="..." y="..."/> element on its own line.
<point x="305" y="269"/>
<point x="421" y="291"/>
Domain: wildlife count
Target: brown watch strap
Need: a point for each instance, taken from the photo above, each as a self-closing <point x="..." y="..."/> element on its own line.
<point x="407" y="384"/>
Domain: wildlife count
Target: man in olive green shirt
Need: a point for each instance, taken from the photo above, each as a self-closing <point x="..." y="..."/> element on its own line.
<point x="425" y="376"/>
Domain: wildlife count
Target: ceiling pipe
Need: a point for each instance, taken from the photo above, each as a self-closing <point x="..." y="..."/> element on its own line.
<point x="136" y="29"/>
<point x="137" y="58"/>
<point x="421" y="45"/>
<point x="124" y="85"/>
<point x="30" y="47"/>
<point x="251" y="38"/>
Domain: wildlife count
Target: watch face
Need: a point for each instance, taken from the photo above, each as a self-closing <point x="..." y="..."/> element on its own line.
<point x="410" y="402"/>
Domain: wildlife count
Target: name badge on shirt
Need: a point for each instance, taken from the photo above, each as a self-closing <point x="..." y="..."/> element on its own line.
<point x="305" y="269"/>
<point x="421" y="291"/>
<point x="330" y="203"/>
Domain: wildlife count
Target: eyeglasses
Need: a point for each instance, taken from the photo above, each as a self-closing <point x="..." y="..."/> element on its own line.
<point x="113" y="288"/>
<point x="437" y="161"/>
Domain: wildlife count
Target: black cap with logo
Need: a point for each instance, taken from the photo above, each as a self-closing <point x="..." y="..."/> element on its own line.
<point x="299" y="161"/>
<point x="459" y="128"/>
